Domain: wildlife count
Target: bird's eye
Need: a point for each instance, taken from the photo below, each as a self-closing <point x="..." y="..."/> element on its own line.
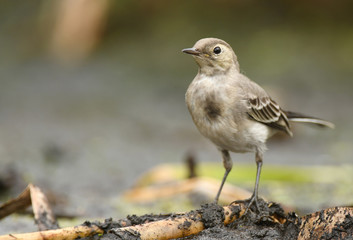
<point x="217" y="50"/>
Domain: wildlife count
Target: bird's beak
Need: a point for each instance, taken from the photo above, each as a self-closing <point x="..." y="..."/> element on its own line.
<point x="192" y="51"/>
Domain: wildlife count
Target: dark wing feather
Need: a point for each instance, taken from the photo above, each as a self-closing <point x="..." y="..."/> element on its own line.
<point x="267" y="111"/>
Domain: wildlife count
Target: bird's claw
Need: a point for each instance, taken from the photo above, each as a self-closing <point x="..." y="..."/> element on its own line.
<point x="252" y="201"/>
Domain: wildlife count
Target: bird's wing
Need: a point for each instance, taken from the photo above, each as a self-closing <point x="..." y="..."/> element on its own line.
<point x="267" y="111"/>
<point x="259" y="106"/>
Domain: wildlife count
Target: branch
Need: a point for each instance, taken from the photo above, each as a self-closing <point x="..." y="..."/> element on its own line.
<point x="64" y="233"/>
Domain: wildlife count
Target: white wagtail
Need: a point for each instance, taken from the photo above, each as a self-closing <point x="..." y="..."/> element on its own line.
<point x="232" y="111"/>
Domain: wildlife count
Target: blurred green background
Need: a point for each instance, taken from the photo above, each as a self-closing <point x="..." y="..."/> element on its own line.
<point x="92" y="92"/>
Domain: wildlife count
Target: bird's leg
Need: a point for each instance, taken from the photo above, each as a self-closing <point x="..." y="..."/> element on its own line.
<point x="254" y="197"/>
<point x="228" y="164"/>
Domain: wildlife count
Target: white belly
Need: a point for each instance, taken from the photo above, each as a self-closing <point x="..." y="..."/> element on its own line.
<point x="226" y="134"/>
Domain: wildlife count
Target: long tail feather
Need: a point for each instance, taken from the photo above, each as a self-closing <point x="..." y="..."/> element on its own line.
<point x="298" y="117"/>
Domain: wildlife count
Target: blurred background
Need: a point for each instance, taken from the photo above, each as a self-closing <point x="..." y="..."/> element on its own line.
<point x="92" y="92"/>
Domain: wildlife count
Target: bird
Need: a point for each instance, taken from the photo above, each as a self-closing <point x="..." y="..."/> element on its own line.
<point x="232" y="111"/>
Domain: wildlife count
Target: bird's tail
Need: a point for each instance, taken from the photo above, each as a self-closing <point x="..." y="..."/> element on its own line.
<point x="298" y="117"/>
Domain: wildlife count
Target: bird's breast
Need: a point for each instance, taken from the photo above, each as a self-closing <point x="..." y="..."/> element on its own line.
<point x="205" y="102"/>
<point x="211" y="113"/>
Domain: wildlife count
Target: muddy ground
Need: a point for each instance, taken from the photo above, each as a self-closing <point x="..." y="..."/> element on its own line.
<point x="250" y="226"/>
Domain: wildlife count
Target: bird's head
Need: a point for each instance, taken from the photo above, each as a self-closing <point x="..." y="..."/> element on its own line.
<point x="214" y="56"/>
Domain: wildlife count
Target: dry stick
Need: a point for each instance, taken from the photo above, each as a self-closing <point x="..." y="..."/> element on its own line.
<point x="21" y="202"/>
<point x="43" y="214"/>
<point x="165" y="229"/>
<point x="65" y="233"/>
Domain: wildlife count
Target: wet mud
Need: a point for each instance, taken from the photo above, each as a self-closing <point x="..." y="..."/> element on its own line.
<point x="270" y="223"/>
<point x="249" y="226"/>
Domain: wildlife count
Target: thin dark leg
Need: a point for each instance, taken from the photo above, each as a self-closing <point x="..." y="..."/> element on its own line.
<point x="254" y="197"/>
<point x="228" y="164"/>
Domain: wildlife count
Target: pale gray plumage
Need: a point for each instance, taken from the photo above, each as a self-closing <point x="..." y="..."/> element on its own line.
<point x="235" y="113"/>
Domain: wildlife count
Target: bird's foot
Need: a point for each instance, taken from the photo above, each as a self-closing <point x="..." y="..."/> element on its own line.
<point x="258" y="211"/>
<point x="252" y="204"/>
